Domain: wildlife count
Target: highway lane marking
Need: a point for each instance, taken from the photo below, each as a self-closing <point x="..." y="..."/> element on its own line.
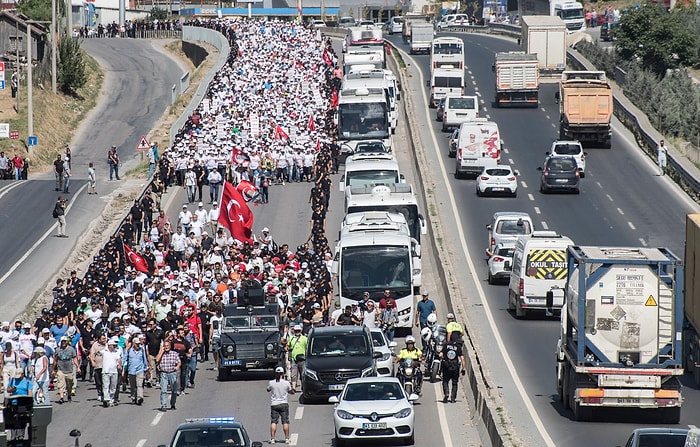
<point x="539" y="425"/>
<point x="547" y="116"/>
<point x="631" y="225"/>
<point x="543" y="109"/>
<point x="442" y="416"/>
<point x="477" y="92"/>
<point x="553" y="125"/>
<point x="620" y="211"/>
<point x="692" y="427"/>
<point x="473" y="82"/>
<point x="544" y="225"/>
<point x="156" y="419"/>
<point x="531" y="197"/>
<point x="599" y="185"/>
<point x="299" y="413"/>
<point x="537" y="210"/>
<point x="10" y="187"/>
<point x="510" y="160"/>
<point x="609" y="198"/>
<point x="141" y="443"/>
<point x="293" y="438"/>
<point x="39" y="241"/>
<point x="643" y="242"/>
<point x="522" y="182"/>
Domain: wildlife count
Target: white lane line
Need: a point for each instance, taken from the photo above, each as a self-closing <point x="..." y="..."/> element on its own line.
<point x="156" y="419"/>
<point x="473" y="81"/>
<point x="41" y="239"/>
<point x="510" y="160"/>
<point x="531" y="197"/>
<point x="442" y="417"/>
<point x="599" y="185"/>
<point x="547" y="116"/>
<point x="471" y="75"/>
<point x="487" y="116"/>
<point x="485" y="109"/>
<point x="692" y="427"/>
<point x="542" y="109"/>
<point x="141" y="443"/>
<point x="631" y="225"/>
<point x="620" y="211"/>
<point x="299" y="413"/>
<point x="544" y="225"/>
<point x="553" y="125"/>
<point x="643" y="242"/>
<point x="478" y="93"/>
<point x="522" y="182"/>
<point x="507" y="151"/>
<point x="537" y="210"/>
<point x="10" y="187"/>
<point x="609" y="198"/>
<point x="293" y="438"/>
<point x="539" y="425"/>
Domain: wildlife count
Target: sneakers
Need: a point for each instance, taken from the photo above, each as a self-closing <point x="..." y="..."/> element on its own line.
<point x="287" y="441"/>
<point x="163" y="409"/>
<point x="272" y="440"/>
<point x="444" y="400"/>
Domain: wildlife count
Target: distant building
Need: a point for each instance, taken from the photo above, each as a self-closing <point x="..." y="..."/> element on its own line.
<point x="13" y="38"/>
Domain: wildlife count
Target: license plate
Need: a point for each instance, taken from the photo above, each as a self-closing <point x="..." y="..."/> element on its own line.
<point x="374" y="425"/>
<point x="338" y="387"/>
<point x="562" y="180"/>
<point x="627" y="401"/>
<point x="232" y="362"/>
<point x="497" y="189"/>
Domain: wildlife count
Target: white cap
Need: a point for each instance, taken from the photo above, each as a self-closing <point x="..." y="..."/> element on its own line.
<point x="279" y="370"/>
<point x="266" y="229"/>
<point x="297" y="327"/>
<point x="200" y="204"/>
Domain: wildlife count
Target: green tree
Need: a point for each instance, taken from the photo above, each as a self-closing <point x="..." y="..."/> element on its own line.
<point x="39" y="10"/>
<point x="71" y="71"/>
<point x="158" y="14"/>
<point x="657" y="39"/>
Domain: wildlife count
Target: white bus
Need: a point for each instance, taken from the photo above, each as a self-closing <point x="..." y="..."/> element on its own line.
<point x="375" y="253"/>
<point x="376" y="78"/>
<point x="447" y="51"/>
<point x="363" y="114"/>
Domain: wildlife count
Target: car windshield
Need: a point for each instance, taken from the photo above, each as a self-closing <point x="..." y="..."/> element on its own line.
<point x="506" y="252"/>
<point x="447" y="48"/>
<point x="498" y="172"/>
<point x="661" y="440"/>
<point x="363" y="148"/>
<point x="462" y="103"/>
<point x="378" y="339"/>
<point x="209" y="437"/>
<point x="338" y="345"/>
<point x="245" y="322"/>
<point x="373" y="391"/>
<point x="561" y="164"/>
<point x="567" y="149"/>
<point x="378" y="177"/>
<point x="519" y="226"/>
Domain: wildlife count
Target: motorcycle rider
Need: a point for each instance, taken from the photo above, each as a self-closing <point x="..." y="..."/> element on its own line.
<point x="453" y="326"/>
<point x="452" y="358"/>
<point x="415" y="354"/>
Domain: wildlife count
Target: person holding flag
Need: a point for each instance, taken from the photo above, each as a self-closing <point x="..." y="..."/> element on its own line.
<point x="235" y="214"/>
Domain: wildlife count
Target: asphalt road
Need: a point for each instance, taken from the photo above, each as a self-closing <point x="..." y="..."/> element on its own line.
<point x="135" y="95"/>
<point x="622" y="202"/>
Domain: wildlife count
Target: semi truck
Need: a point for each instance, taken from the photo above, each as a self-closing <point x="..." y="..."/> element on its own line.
<point x="421" y="37"/>
<point x="691" y="329"/>
<point x="620" y="341"/>
<point x="571" y="12"/>
<point x="546" y="37"/>
<point x="517" y="79"/>
<point x="586" y="107"/>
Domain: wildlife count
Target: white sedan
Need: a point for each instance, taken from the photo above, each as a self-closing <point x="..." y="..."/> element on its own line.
<point x="501" y="263"/>
<point x="499" y="179"/>
<point x="373" y="408"/>
<point x="385" y="365"/>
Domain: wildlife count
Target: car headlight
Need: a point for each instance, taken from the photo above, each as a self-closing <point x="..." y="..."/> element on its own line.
<point x="406" y="412"/>
<point x="311" y="373"/>
<point x="385" y="357"/>
<point x="270" y="347"/>
<point x="408" y="371"/>
<point x="229" y="349"/>
<point x="368" y="372"/>
<point x="342" y="414"/>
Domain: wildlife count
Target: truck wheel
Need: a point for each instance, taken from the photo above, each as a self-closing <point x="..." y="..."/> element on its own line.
<point x="444" y="128"/>
<point x="457" y="173"/>
<point x="670" y="415"/>
<point x="511" y="307"/>
<point x="582" y="413"/>
<point x="490" y="279"/>
<point x="564" y="389"/>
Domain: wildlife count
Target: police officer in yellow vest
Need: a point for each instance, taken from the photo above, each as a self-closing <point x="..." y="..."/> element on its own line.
<point x="297" y="346"/>
<point x="453" y="326"/>
<point x="412" y="353"/>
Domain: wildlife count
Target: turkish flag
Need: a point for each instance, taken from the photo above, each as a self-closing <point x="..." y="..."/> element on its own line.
<point x="280" y="134"/>
<point x="248" y="190"/>
<point x="235" y="214"/>
<point x="327" y="57"/>
<point x="135" y="260"/>
<point x="238" y="156"/>
<point x="334" y="98"/>
<point x="311" y="124"/>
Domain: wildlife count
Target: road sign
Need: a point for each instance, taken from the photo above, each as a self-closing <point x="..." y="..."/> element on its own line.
<point x="33" y="141"/>
<point x="2" y="84"/>
<point x="4" y="130"/>
<point x="14" y="134"/>
<point x="2" y="76"/>
<point x="143" y="145"/>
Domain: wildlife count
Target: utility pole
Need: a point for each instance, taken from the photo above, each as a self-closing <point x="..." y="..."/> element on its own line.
<point x="54" y="47"/>
<point x="17" y="69"/>
<point x="69" y="18"/>
<point x="30" y="107"/>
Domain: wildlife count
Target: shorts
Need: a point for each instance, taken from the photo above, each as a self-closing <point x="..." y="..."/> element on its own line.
<point x="277" y="411"/>
<point x="215" y="344"/>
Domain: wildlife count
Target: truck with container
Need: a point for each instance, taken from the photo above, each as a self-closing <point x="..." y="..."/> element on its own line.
<point x="412" y="19"/>
<point x="571" y="13"/>
<point x="545" y="36"/>
<point x="517" y="79"/>
<point x="447" y="51"/>
<point x="369" y="35"/>
<point x="691" y="327"/>
<point x="620" y="342"/>
<point x="392" y="198"/>
<point x="421" y="38"/>
<point x="586" y="107"/>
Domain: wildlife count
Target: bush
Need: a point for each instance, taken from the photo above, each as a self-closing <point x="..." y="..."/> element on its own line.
<point x="71" y="70"/>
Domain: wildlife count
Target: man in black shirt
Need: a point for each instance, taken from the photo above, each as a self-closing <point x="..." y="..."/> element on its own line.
<point x="154" y="338"/>
<point x="148" y="207"/>
<point x="204" y="316"/>
<point x="42" y="322"/>
<point x="137" y="219"/>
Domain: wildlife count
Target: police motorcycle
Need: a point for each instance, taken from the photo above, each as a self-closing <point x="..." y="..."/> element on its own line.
<point x="434" y="338"/>
<point x="409" y="373"/>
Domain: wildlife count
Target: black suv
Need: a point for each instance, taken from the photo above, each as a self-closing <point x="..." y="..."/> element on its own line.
<point x="212" y="432"/>
<point x="335" y="354"/>
<point x="607" y="31"/>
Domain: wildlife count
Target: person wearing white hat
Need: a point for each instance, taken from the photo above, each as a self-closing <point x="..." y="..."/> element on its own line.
<point x="279" y="389"/>
<point x="41" y="377"/>
<point x="296" y="346"/>
<point x="66" y="174"/>
<point x="111" y="368"/>
<point x="213" y="217"/>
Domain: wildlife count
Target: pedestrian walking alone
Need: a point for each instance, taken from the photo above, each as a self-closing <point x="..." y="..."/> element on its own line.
<point x="58" y="172"/>
<point x="279" y="389"/>
<point x="59" y="212"/>
<point x="452" y="359"/>
<point x="92" y="180"/>
<point x="111" y="368"/>
<point x="297" y="347"/>
<point x="661" y="157"/>
<point x="113" y="160"/>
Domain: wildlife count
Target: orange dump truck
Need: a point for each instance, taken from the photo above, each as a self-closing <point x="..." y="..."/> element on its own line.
<point x="586" y="107"/>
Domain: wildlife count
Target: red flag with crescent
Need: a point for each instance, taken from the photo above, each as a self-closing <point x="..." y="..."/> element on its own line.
<point x="280" y="134"/>
<point x="235" y="214"/>
<point x="327" y="57"/>
<point x="247" y="189"/>
<point x="135" y="260"/>
<point x="311" y="124"/>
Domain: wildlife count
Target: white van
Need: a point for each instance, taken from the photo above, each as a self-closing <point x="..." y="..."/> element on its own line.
<point x="377" y="170"/>
<point x="478" y="147"/>
<point x="395" y="25"/>
<point x="539" y="267"/>
<point x="446" y="80"/>
<point x="458" y="110"/>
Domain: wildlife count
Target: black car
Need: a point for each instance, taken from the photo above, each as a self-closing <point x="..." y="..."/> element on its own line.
<point x="335" y="354"/>
<point x="212" y="432"/>
<point x="440" y="109"/>
<point x="560" y="173"/>
<point x="607" y="31"/>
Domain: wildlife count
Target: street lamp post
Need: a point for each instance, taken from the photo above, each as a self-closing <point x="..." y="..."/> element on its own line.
<point x="53" y="46"/>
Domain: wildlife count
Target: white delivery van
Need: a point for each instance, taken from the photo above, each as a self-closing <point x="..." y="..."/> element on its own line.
<point x="478" y="147"/>
<point x="446" y="80"/>
<point x="458" y="110"/>
<point x="539" y="267"/>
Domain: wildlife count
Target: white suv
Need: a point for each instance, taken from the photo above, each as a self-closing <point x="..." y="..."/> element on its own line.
<point x="506" y="227"/>
<point x="572" y="149"/>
